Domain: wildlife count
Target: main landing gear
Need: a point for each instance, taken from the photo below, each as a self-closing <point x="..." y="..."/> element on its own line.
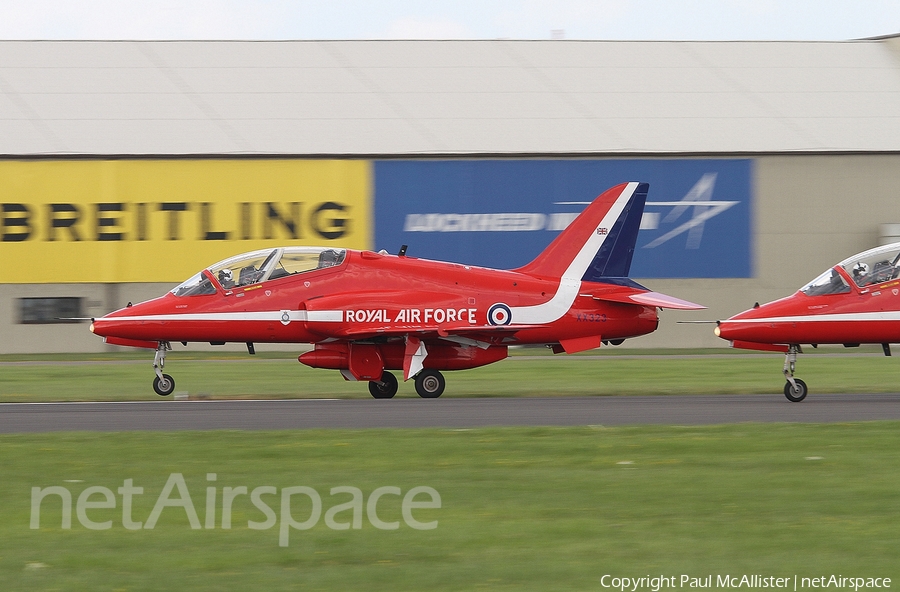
<point x="163" y="384"/>
<point x="429" y="385"/>
<point x="385" y="388"/>
<point x="794" y="389"/>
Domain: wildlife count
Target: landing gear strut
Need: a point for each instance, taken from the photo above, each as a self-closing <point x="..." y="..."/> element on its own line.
<point x="794" y="389"/>
<point x="163" y="384"/>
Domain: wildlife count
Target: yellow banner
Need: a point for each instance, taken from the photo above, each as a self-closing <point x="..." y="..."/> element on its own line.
<point x="164" y="220"/>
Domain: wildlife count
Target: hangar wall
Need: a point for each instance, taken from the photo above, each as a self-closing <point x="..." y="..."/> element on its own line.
<point x="808" y="212"/>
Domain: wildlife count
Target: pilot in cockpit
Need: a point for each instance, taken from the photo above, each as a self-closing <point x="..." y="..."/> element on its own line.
<point x="860" y="271"/>
<point x="226" y="279"/>
<point x="328" y="258"/>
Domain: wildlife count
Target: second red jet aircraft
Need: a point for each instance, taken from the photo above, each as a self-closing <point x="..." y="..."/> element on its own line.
<point x="856" y="301"/>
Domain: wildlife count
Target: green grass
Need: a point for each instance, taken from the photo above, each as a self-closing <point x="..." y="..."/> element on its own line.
<point x="522" y="508"/>
<point x="526" y="373"/>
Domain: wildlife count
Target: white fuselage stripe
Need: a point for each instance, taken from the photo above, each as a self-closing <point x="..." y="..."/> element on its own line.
<point x="269" y="315"/>
<point x="892" y="315"/>
<point x="570" y="283"/>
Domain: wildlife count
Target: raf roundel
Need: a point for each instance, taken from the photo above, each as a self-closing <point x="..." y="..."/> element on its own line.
<point x="499" y="314"/>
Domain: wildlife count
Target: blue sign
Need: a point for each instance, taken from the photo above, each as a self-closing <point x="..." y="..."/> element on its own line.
<point x="502" y="213"/>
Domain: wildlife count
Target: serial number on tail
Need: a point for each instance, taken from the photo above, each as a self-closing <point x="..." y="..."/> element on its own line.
<point x="589" y="317"/>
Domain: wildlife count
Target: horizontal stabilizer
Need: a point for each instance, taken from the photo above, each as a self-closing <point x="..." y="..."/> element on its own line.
<point x="649" y="299"/>
<point x="665" y="301"/>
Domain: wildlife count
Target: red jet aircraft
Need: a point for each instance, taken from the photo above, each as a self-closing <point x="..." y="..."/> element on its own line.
<point x="857" y="301"/>
<point x="367" y="313"/>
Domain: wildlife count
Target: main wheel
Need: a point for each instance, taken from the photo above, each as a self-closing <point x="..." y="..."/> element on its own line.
<point x="386" y="389"/>
<point x="430" y="384"/>
<point x="795" y="395"/>
<point x="165" y="386"/>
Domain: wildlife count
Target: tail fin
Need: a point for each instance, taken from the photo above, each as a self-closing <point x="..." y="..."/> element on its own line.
<point x="600" y="242"/>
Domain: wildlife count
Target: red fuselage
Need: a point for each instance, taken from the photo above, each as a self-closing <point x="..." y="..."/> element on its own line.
<point x="371" y="295"/>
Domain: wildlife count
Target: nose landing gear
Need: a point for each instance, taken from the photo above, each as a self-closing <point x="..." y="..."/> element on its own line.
<point x="163" y="384"/>
<point x="794" y="389"/>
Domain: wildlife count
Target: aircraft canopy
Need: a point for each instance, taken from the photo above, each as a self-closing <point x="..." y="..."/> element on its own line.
<point x="874" y="266"/>
<point x="260" y="266"/>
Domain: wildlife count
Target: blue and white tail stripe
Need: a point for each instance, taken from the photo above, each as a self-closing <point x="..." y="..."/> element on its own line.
<point x="570" y="283"/>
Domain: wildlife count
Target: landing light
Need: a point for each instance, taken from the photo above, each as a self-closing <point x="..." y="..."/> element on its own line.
<point x="716" y="331"/>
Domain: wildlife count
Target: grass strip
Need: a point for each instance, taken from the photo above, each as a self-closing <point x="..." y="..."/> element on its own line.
<point x="221" y="376"/>
<point x="521" y="508"/>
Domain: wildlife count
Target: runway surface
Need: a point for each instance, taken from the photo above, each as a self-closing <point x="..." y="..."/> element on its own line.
<point x="442" y="413"/>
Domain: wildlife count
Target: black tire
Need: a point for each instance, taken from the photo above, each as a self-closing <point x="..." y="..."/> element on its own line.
<point x="795" y="395"/>
<point x="430" y="384"/>
<point x="386" y="389"/>
<point x="165" y="386"/>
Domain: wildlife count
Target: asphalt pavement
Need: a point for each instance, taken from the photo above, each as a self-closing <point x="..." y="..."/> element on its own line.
<point x="445" y="412"/>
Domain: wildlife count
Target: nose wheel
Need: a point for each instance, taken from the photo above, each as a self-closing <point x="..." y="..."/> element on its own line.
<point x="794" y="389"/>
<point x="163" y="384"/>
<point x="795" y="392"/>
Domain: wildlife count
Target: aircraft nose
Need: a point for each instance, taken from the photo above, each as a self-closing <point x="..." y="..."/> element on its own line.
<point x="727" y="330"/>
<point x="749" y="325"/>
<point x="737" y="326"/>
<point x="113" y="323"/>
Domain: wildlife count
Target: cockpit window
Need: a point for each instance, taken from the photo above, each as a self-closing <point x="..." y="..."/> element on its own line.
<point x="198" y="285"/>
<point x="259" y="266"/>
<point x="830" y="282"/>
<point x="298" y="260"/>
<point x="243" y="270"/>
<point x="875" y="266"/>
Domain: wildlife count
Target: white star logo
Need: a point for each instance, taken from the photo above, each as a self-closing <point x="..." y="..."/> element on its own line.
<point x="704" y="209"/>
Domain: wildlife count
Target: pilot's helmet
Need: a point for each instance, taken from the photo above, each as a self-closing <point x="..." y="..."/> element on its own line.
<point x="328" y="258"/>
<point x="860" y="269"/>
<point x="226" y="275"/>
